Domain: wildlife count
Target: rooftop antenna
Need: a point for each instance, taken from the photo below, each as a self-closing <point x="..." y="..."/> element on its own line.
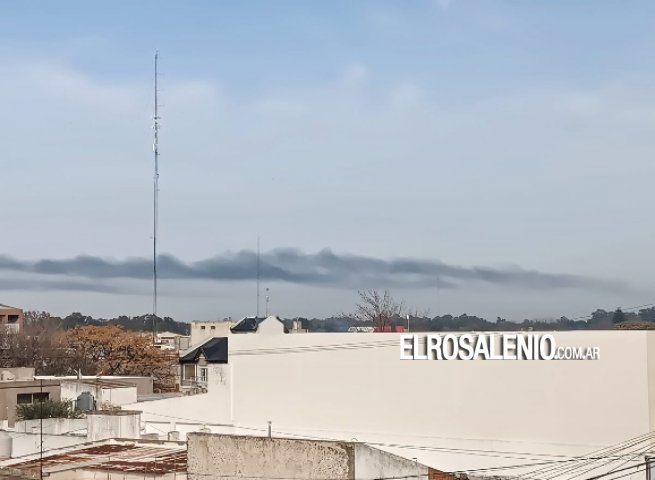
<point x="258" y="276"/>
<point x="155" y="212"/>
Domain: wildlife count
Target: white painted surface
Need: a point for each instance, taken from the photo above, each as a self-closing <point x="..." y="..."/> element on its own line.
<point x="30" y="443"/>
<point x="271" y="326"/>
<point x="54" y="426"/>
<point x="545" y="407"/>
<point x="374" y="463"/>
<point x="104" y="396"/>
<point x="203" y="330"/>
<point x="102" y="426"/>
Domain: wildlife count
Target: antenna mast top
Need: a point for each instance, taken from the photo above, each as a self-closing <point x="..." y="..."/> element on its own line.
<point x="155" y="148"/>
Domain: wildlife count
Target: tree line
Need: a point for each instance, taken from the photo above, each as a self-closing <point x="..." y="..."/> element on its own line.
<point x="90" y="349"/>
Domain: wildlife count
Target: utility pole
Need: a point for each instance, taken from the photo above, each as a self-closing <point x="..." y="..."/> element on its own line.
<point x="41" y="431"/>
<point x="155" y="212"/>
<point x="267" y="299"/>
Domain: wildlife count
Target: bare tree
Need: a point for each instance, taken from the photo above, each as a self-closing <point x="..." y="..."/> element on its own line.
<point x="378" y="308"/>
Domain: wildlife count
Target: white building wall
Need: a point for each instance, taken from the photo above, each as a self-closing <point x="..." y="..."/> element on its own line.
<point x="550" y="407"/>
<point x="55" y="426"/>
<point x="30" y="443"/>
<point x="120" y="424"/>
<point x="270" y="325"/>
<point x="218" y="328"/>
<point x="70" y="390"/>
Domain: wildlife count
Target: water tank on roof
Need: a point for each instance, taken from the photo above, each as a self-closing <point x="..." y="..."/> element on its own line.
<point x="85" y="402"/>
<point x="5" y="444"/>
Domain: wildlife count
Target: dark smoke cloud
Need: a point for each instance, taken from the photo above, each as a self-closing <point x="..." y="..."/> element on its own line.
<point x="63" y="284"/>
<point x="324" y="268"/>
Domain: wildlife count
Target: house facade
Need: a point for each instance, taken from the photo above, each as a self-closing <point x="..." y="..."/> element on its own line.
<point x="11" y="318"/>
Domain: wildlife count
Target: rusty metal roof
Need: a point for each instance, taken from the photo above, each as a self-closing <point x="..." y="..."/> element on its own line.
<point x="120" y="456"/>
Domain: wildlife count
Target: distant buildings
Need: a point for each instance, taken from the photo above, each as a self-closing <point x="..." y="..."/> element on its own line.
<point x="11" y="318"/>
<point x="266" y="325"/>
<point x="203" y="330"/>
<point x="173" y="341"/>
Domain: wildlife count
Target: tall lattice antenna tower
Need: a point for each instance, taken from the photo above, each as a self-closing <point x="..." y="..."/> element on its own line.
<point x="155" y="209"/>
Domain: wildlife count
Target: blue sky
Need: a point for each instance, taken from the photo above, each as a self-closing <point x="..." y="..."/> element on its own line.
<point x="508" y="135"/>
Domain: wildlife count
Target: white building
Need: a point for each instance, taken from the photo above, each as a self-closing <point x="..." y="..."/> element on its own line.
<point x="462" y="414"/>
<point x="105" y="393"/>
<point x="204" y="330"/>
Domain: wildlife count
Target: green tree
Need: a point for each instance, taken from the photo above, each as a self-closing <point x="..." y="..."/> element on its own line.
<point x="618" y="317"/>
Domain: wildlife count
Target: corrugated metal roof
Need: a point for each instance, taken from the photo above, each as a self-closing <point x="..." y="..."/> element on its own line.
<point x="133" y="457"/>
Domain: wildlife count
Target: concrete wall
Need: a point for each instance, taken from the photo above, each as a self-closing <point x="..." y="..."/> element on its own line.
<point x="113" y="424"/>
<point x="30" y="443"/>
<point x="306" y="386"/>
<point x="54" y="426"/>
<point x="233" y="457"/>
<point x="229" y="456"/>
<point x="374" y="463"/>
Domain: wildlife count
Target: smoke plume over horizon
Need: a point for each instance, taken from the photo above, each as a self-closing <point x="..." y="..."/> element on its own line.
<point x="323" y="268"/>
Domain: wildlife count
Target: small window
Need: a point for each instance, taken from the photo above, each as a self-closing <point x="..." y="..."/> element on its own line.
<point x="212" y="327"/>
<point x="202" y="328"/>
<point x="27" y="398"/>
<point x="41" y="397"/>
<point x="203" y="374"/>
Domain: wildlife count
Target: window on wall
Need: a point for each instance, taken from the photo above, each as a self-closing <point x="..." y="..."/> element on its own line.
<point x="202" y="327"/>
<point x="26" y="398"/>
<point x="189" y="371"/>
<point x="203" y="374"/>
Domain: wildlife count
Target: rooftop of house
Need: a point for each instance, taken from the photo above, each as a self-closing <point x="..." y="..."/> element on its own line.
<point x="128" y="456"/>
<point x="8" y="307"/>
<point x="170" y="335"/>
<point x="99" y="382"/>
<point x="214" y="350"/>
<point x="251" y="324"/>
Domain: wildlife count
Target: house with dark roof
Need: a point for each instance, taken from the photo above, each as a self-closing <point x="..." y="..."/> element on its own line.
<point x="271" y="324"/>
<point x="195" y="362"/>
